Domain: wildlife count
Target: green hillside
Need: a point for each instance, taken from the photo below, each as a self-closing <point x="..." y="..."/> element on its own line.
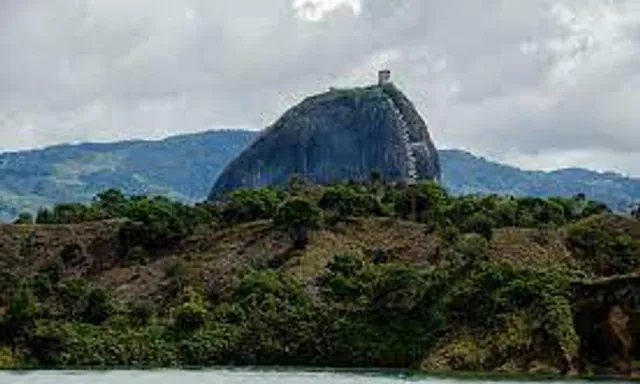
<point x="185" y="167"/>
<point x="369" y="275"/>
<point x="182" y="167"/>
<point x="466" y="173"/>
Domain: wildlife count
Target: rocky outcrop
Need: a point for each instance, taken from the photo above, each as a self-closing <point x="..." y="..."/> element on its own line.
<point x="335" y="136"/>
<point x="607" y="319"/>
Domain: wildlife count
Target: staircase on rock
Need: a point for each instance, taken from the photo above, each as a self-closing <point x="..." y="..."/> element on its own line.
<point x="412" y="172"/>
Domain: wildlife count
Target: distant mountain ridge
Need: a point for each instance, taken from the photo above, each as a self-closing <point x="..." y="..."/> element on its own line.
<point x="181" y="167"/>
<point x="184" y="167"/>
<point x="464" y="172"/>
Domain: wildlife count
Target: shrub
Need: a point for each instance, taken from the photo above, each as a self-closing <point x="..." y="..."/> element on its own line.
<point x="71" y="253"/>
<point x="298" y="216"/>
<point x="206" y="213"/>
<point x="190" y="317"/>
<point x="141" y="312"/>
<point x="607" y="250"/>
<point x="112" y="202"/>
<point x="24" y="218"/>
<point x="244" y="205"/>
<point x="71" y="293"/>
<point x="533" y="212"/>
<point x="53" y="270"/>
<point x="177" y="273"/>
<point x="74" y="213"/>
<point x="479" y="223"/>
<point x="277" y="320"/>
<point x="47" y="348"/>
<point x="20" y="316"/>
<point x="493" y="290"/>
<point x="138" y="256"/>
<point x="346" y="278"/>
<point x="42" y="285"/>
<point x="8" y="360"/>
<point x="192" y="314"/>
<point x="466" y="253"/>
<point x="99" y="307"/>
<point x="593" y="208"/>
<point x="176" y="269"/>
<point x="7" y="281"/>
<point x="345" y="264"/>
<point x="44" y="216"/>
<point x="460" y="208"/>
<point x="506" y="213"/>
<point x="77" y="345"/>
<point x="154" y="233"/>
<point x="345" y="201"/>
<point x="423" y="202"/>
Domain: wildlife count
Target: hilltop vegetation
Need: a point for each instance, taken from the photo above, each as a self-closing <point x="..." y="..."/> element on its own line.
<point x="184" y="167"/>
<point x="352" y="275"/>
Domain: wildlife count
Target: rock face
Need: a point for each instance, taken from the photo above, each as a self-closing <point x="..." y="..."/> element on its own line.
<point x="335" y="136"/>
<point x="607" y="320"/>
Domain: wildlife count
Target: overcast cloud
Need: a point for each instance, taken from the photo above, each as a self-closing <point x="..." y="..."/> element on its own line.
<point x="537" y="83"/>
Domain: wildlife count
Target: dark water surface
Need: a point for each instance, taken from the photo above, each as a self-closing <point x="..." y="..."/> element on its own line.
<point x="227" y="377"/>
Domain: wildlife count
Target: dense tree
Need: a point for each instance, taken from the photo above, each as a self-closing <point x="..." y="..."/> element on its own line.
<point x="345" y="201"/>
<point x="156" y="222"/>
<point x="25" y="218"/>
<point x="244" y="205"/>
<point x="112" y="202"/>
<point x="20" y="317"/>
<point x="479" y="223"/>
<point x="298" y="216"/>
<point x="191" y="314"/>
<point x="423" y="202"/>
<point x="607" y="250"/>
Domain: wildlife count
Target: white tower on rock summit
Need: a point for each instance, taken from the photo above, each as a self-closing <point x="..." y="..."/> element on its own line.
<point x="384" y="77"/>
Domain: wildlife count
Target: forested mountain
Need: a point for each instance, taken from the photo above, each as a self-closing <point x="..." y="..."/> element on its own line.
<point x="181" y="167"/>
<point x="184" y="167"/>
<point x="465" y="173"/>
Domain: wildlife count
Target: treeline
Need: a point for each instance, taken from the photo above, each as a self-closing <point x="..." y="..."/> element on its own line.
<point x="157" y="222"/>
<point x="360" y="312"/>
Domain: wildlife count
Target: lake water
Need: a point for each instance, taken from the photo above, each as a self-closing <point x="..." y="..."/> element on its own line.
<point x="219" y="377"/>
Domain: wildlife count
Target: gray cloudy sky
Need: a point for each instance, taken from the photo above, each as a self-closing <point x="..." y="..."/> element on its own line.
<point x="536" y="83"/>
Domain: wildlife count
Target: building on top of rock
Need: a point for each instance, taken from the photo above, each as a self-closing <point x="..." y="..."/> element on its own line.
<point x="384" y="77"/>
